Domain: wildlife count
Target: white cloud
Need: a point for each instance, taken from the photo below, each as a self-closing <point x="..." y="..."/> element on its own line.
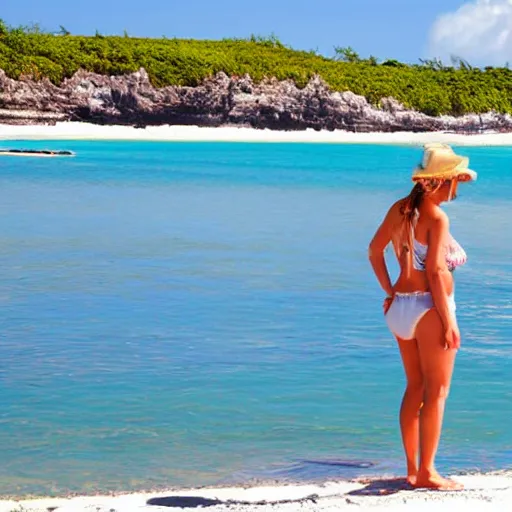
<point x="479" y="31"/>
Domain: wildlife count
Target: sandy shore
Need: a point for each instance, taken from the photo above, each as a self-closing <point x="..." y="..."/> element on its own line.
<point x="85" y="131"/>
<point x="482" y="493"/>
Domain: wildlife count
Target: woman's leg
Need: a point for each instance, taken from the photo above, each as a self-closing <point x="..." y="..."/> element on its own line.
<point x="411" y="405"/>
<point x="437" y="367"/>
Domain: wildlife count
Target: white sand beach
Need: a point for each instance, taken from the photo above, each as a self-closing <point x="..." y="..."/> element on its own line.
<point x="492" y="492"/>
<point x="87" y="131"/>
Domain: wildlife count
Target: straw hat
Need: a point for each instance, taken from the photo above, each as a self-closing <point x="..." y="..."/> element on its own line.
<point x="441" y="163"/>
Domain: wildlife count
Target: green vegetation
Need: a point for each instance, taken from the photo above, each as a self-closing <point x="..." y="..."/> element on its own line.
<point x="429" y="86"/>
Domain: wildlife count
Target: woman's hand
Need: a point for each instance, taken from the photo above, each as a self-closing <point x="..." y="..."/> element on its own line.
<point x="452" y="337"/>
<point x="387" y="303"/>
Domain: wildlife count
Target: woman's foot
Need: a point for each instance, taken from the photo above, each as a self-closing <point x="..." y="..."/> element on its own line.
<point x="433" y="480"/>
<point x="411" y="479"/>
<point x="412" y="473"/>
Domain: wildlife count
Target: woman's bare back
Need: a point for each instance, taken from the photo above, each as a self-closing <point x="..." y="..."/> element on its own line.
<point x="411" y="279"/>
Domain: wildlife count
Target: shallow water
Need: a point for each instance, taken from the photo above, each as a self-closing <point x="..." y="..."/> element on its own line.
<point x="184" y="314"/>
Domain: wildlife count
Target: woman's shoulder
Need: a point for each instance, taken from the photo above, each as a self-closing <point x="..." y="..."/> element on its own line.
<point x="399" y="206"/>
<point x="434" y="213"/>
<point x="434" y="218"/>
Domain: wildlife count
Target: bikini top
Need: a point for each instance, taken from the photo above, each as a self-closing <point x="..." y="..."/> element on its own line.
<point x="455" y="254"/>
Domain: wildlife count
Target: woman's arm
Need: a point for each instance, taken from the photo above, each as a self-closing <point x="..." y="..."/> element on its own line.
<point x="376" y="249"/>
<point x="435" y="266"/>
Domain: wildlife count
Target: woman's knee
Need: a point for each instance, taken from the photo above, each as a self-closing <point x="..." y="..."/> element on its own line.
<point x="414" y="394"/>
<point x="415" y="388"/>
<point x="437" y="391"/>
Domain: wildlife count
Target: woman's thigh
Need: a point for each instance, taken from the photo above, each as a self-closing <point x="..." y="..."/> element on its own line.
<point x="410" y="354"/>
<point x="436" y="362"/>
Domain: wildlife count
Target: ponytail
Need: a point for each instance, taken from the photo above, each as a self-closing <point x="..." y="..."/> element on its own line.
<point x="409" y="211"/>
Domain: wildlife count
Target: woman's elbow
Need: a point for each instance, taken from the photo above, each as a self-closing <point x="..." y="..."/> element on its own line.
<point x="434" y="273"/>
<point x="374" y="251"/>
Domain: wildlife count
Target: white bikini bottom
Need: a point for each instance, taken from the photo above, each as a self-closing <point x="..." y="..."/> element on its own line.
<point x="407" y="309"/>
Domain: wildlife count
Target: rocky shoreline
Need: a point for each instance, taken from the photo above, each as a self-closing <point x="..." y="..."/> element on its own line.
<point x="131" y="100"/>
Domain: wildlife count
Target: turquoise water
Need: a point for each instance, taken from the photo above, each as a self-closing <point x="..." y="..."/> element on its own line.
<point x="184" y="314"/>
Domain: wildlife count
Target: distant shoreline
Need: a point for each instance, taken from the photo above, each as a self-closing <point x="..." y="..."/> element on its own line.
<point x="176" y="133"/>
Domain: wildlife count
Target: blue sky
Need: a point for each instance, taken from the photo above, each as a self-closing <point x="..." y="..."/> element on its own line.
<point x="400" y="29"/>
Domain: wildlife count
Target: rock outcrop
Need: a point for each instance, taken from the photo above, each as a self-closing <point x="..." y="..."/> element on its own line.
<point x="221" y="100"/>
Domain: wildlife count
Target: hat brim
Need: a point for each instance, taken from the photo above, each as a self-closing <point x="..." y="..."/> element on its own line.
<point x="467" y="175"/>
<point x="459" y="173"/>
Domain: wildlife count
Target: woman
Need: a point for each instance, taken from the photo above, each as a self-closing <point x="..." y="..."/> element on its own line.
<point x="420" y="306"/>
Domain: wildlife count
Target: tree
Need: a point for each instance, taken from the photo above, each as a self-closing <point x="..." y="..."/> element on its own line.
<point x="63" y="31"/>
<point x="461" y="63"/>
<point x="4" y="29"/>
<point x="33" y="28"/>
<point x="435" y="64"/>
<point x="393" y="63"/>
<point x="346" y="54"/>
